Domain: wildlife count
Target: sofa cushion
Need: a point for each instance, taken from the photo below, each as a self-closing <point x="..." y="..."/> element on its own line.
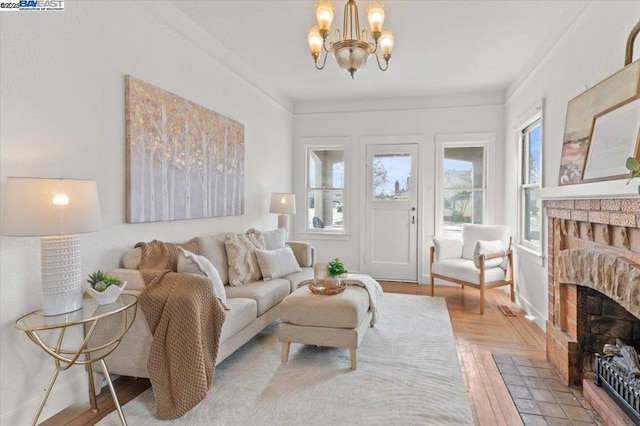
<point x="277" y="263"/>
<point x="465" y="270"/>
<point x="472" y="233"/>
<point x="241" y="313"/>
<point x="303" y="252"/>
<point x="273" y="239"/>
<point x="489" y="247"/>
<point x="212" y="247"/>
<point x="447" y="247"/>
<point x="241" y="255"/>
<point x="267" y="294"/>
<point x="306" y="273"/>
<point x="132" y="258"/>
<point x="196" y="264"/>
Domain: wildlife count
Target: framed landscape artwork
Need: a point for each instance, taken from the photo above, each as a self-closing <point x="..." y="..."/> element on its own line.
<point x="614" y="138"/>
<point x="184" y="161"/>
<point x="617" y="88"/>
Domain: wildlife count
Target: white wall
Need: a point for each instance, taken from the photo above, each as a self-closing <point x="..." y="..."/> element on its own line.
<point x="62" y="115"/>
<point x="591" y="50"/>
<point x="424" y="118"/>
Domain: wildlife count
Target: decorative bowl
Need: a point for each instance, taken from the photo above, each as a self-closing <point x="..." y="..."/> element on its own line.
<point x="109" y="295"/>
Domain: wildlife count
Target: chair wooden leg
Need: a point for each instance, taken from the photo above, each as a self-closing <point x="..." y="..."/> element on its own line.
<point x="512" y="291"/>
<point x="432" y="282"/>
<point x="353" y="353"/>
<point x="285" y="351"/>
<point x="482" y="300"/>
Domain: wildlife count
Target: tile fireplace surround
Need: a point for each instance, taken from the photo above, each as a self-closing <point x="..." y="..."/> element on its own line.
<point x="594" y="243"/>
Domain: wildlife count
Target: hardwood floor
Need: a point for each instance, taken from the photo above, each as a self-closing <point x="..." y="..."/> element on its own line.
<point x="478" y="337"/>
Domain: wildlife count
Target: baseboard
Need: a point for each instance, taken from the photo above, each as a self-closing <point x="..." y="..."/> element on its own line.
<point x="63" y="395"/>
<point x="532" y="313"/>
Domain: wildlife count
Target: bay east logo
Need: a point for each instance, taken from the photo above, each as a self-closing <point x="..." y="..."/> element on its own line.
<point x="39" y="5"/>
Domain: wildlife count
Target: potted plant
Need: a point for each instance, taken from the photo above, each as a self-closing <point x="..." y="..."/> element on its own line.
<point x="104" y="288"/>
<point x="335" y="269"/>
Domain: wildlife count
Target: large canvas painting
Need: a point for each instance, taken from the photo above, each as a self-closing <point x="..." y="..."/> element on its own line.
<point x="617" y="88"/>
<point x="184" y="161"/>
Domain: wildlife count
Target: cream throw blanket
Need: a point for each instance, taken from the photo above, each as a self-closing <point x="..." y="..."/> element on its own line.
<point x="186" y="320"/>
<point x="372" y="286"/>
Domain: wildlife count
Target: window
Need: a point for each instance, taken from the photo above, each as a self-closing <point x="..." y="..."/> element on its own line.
<point x="462" y="185"/>
<point x="391" y="177"/>
<point x="530" y="181"/>
<point x="325" y="190"/>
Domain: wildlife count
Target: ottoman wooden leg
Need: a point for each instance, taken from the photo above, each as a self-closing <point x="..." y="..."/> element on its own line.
<point x="285" y="351"/>
<point x="354" y="358"/>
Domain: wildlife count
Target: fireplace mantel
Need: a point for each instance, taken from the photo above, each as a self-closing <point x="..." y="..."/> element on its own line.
<point x="594" y="190"/>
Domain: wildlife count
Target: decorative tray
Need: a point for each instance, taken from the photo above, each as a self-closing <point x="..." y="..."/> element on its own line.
<point x="326" y="291"/>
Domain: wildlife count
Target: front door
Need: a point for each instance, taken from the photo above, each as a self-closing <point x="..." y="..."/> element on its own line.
<point x="391" y="215"/>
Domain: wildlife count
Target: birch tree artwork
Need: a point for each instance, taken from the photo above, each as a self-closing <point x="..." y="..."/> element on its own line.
<point x="183" y="160"/>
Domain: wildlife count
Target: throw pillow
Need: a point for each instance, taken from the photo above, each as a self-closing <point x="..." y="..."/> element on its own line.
<point x="277" y="263"/>
<point x="489" y="247"/>
<point x="195" y="264"/>
<point x="274" y="239"/>
<point x="241" y="255"/>
<point x="447" y="247"/>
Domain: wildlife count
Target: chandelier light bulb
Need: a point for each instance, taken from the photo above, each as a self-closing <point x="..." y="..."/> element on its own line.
<point x="324" y="15"/>
<point x="375" y="15"/>
<point x="315" y="42"/>
<point x="386" y="43"/>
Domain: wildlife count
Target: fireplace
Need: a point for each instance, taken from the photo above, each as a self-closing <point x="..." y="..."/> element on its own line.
<point x="593" y="266"/>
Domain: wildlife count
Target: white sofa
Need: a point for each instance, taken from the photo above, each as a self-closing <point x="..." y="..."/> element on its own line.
<point x="481" y="257"/>
<point x="252" y="306"/>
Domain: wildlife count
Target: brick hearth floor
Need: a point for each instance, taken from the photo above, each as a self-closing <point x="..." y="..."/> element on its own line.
<point x="540" y="395"/>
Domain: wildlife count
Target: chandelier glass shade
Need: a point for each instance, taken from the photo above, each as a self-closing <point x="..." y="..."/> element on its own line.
<point x="351" y="47"/>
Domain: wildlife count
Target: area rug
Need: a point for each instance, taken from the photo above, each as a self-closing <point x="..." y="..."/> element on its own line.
<point x="408" y="373"/>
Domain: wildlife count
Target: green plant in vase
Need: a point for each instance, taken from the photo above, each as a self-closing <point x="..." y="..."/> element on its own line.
<point x="99" y="281"/>
<point x="634" y="168"/>
<point x="335" y="268"/>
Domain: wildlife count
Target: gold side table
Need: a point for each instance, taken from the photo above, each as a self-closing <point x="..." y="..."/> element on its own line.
<point x="41" y="329"/>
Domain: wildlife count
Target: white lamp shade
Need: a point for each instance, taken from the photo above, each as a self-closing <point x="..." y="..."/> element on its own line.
<point x="283" y="203"/>
<point x="47" y="207"/>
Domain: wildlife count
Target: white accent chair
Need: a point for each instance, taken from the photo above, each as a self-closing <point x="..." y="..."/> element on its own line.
<point x="480" y="258"/>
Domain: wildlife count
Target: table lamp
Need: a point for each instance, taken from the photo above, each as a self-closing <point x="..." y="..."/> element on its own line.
<point x="284" y="205"/>
<point x="55" y="210"/>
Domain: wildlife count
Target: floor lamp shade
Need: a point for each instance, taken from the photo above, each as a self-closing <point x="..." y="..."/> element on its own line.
<point x="55" y="210"/>
<point x="284" y="205"/>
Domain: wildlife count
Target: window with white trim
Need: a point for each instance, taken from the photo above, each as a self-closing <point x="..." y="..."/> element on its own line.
<point x="530" y="180"/>
<point x="325" y="201"/>
<point x="462" y="185"/>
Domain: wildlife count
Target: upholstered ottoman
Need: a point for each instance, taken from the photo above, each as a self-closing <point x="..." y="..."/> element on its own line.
<point x="338" y="321"/>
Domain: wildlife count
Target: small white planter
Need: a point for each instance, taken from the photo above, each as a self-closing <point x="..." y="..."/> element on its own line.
<point x="109" y="295"/>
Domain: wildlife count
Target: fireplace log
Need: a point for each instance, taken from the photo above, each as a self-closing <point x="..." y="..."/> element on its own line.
<point x="628" y="359"/>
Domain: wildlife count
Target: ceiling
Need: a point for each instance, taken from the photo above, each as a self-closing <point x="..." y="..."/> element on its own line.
<point x="441" y="47"/>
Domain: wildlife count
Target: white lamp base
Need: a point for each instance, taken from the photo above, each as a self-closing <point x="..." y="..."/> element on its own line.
<point x="61" y="274"/>
<point x="283" y="222"/>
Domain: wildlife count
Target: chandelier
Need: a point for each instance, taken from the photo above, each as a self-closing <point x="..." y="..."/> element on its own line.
<point x="351" y="48"/>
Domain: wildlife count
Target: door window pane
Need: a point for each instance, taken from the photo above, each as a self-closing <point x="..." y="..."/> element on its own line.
<point x="391" y="177"/>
